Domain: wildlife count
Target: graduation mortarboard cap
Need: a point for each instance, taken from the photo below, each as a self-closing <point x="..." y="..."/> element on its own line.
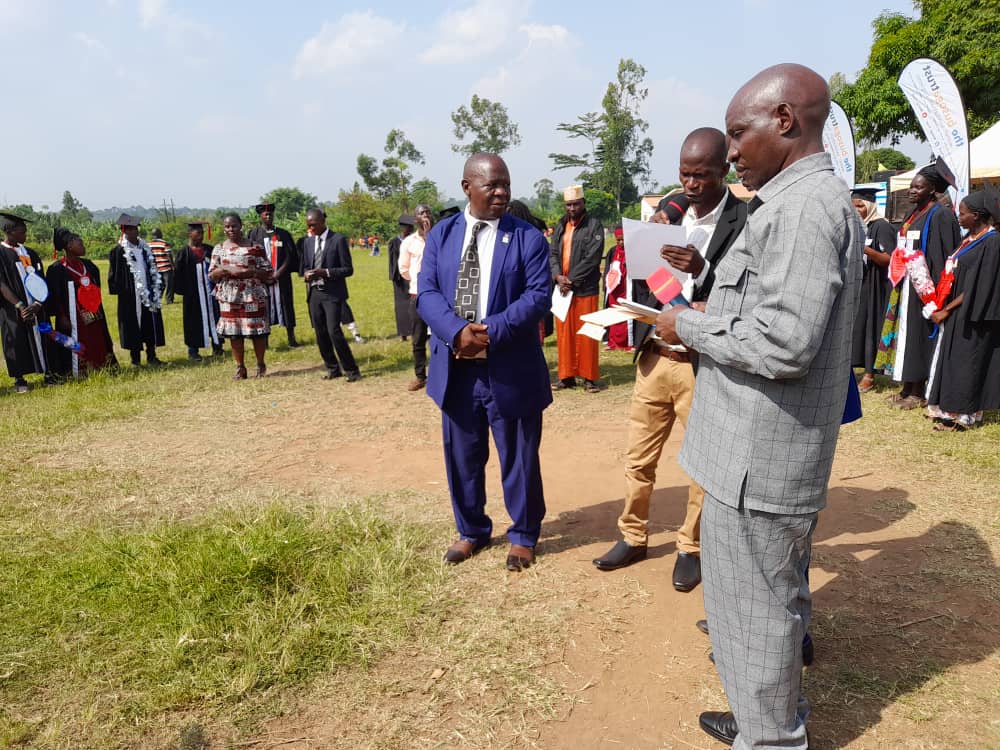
<point x="125" y="220"/>
<point x="201" y="225"/>
<point x="449" y="210"/>
<point x="262" y="207"/>
<point x="865" y="193"/>
<point x="407" y="220"/>
<point x="9" y="221"/>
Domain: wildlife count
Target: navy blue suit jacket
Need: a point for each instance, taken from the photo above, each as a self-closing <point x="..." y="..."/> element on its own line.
<point x="520" y="294"/>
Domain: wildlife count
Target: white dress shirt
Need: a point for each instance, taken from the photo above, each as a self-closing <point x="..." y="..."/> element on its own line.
<point x="485" y="241"/>
<point x="707" y="224"/>
<point x="411" y="254"/>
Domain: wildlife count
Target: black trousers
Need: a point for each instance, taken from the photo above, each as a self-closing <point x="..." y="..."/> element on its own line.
<point x="168" y="286"/>
<point x="325" y="312"/>
<point x="419" y="333"/>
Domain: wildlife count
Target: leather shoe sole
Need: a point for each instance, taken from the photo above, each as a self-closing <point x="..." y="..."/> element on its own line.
<point x="621" y="555"/>
<point x="687" y="572"/>
<point x="519" y="558"/>
<point x="462" y="550"/>
<point x="720" y="724"/>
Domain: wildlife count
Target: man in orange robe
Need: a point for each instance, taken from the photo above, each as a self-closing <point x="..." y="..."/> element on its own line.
<point x="575" y="253"/>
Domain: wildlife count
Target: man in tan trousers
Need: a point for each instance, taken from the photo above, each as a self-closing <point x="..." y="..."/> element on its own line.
<point x="664" y="379"/>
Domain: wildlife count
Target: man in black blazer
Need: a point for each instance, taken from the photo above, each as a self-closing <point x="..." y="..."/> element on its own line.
<point x="325" y="263"/>
<point x="664" y="383"/>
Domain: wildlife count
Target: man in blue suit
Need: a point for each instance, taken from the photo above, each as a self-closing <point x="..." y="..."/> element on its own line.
<point x="484" y="286"/>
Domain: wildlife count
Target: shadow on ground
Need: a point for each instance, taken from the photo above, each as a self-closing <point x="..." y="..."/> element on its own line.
<point x="892" y="620"/>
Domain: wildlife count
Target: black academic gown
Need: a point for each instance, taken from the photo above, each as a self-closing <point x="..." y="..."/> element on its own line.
<point x="198" y="332"/>
<point x="20" y="346"/>
<point x="58" y="304"/>
<point x="400" y="290"/>
<point x="967" y="373"/>
<point x="286" y="251"/>
<point x="943" y="236"/>
<point x="875" y="288"/>
<point x="132" y="332"/>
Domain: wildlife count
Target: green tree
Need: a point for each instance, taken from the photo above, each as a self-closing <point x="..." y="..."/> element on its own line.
<point x="619" y="153"/>
<point x="589" y="127"/>
<point x="288" y="202"/>
<point x="545" y="193"/>
<point x="391" y="176"/>
<point x="889" y="158"/>
<point x="73" y="212"/>
<point x="426" y="191"/>
<point x="964" y="35"/>
<point x="488" y="124"/>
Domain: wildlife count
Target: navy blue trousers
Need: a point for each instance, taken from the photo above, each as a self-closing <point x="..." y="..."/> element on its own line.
<point x="466" y="421"/>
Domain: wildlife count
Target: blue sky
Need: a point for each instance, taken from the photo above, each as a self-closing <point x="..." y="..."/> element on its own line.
<point x="213" y="103"/>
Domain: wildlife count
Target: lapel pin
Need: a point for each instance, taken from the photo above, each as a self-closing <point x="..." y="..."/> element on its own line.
<point x="506" y="238"/>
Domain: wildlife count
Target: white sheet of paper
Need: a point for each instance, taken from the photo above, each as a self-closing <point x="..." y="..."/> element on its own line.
<point x="560" y="303"/>
<point x="609" y="316"/>
<point x="643" y="240"/>
<point x="644" y="313"/>
<point x="590" y="330"/>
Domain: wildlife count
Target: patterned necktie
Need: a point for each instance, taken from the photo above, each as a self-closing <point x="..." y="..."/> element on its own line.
<point x="467" y="282"/>
<point x="318" y="253"/>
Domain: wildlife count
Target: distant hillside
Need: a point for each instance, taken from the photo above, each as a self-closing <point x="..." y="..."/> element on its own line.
<point x="110" y="214"/>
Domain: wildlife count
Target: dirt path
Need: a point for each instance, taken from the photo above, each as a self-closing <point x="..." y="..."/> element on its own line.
<point x="634" y="668"/>
<point x="904" y="576"/>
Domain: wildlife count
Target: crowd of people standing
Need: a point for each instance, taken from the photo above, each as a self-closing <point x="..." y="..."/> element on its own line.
<point x="53" y="322"/>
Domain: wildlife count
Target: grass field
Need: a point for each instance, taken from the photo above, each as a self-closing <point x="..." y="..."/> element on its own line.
<point x="178" y="563"/>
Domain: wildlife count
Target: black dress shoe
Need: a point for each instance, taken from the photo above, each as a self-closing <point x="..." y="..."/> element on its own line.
<point x="353" y="377"/>
<point x="687" y="571"/>
<point x="721" y="725"/>
<point x="702" y="625"/>
<point x="332" y="374"/>
<point x="621" y="555"/>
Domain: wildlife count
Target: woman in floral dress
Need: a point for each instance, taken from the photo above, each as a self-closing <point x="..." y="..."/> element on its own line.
<point x="241" y="273"/>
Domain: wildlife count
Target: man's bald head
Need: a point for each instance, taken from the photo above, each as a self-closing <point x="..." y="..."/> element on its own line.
<point x="775" y="119"/>
<point x="477" y="163"/>
<point x="703" y="169"/>
<point x="707" y="143"/>
<point x="486" y="183"/>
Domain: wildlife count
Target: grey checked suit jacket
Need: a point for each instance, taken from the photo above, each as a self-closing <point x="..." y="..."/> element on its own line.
<point x="775" y="345"/>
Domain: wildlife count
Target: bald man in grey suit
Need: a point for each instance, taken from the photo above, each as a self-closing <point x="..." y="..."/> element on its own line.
<point x="775" y="346"/>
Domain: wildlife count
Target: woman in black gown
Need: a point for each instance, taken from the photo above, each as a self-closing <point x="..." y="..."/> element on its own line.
<point x="875" y="286"/>
<point x="966" y="374"/>
<point x="905" y="349"/>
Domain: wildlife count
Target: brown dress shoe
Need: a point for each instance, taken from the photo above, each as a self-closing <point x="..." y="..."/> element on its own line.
<point x="520" y="557"/>
<point x="416" y="384"/>
<point x="462" y="550"/>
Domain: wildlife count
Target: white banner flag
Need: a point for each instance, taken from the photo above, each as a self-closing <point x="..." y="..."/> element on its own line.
<point x="838" y="141"/>
<point x="937" y="103"/>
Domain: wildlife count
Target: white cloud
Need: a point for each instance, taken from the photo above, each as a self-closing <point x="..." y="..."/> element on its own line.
<point x="673" y="109"/>
<point x="355" y="40"/>
<point x="151" y="11"/>
<point x="538" y="46"/>
<point x="92" y="43"/>
<point x="473" y="32"/>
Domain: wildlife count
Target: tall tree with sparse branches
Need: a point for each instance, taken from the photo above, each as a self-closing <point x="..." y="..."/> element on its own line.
<point x="391" y="177"/>
<point x="489" y="126"/>
<point x="619" y="153"/>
